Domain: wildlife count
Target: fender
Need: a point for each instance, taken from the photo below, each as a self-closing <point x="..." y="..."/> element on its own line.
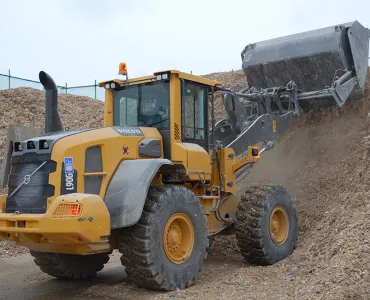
<point x="128" y="189"/>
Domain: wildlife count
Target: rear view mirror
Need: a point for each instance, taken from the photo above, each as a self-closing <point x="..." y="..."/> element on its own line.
<point x="229" y="102"/>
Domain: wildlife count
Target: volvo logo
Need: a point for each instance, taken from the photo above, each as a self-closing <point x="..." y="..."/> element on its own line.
<point x="27" y="179"/>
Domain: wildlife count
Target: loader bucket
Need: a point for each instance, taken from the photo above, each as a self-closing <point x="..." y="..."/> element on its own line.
<point x="313" y="59"/>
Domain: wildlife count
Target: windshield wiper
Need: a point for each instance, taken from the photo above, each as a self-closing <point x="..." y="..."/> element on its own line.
<point x="149" y="125"/>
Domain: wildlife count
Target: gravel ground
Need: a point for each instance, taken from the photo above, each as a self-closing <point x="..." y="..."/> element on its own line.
<point x="7" y="249"/>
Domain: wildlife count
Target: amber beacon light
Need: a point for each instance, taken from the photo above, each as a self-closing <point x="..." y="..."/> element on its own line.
<point x="122" y="70"/>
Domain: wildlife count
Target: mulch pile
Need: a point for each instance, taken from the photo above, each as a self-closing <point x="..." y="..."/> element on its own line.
<point x="233" y="80"/>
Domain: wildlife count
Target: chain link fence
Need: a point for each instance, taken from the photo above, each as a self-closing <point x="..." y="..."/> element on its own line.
<point x="7" y="81"/>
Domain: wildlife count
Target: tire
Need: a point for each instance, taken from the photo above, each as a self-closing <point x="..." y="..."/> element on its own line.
<point x="67" y="266"/>
<point x="142" y="245"/>
<point x="258" y="208"/>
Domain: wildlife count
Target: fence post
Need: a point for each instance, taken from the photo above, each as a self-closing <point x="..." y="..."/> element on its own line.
<point x="95" y="88"/>
<point x="9" y="78"/>
<point x="66" y="88"/>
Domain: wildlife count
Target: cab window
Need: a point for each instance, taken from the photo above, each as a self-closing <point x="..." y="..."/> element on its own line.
<point x="194" y="112"/>
<point x="144" y="104"/>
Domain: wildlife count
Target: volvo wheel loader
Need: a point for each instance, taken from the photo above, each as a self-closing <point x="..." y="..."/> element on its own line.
<point x="159" y="180"/>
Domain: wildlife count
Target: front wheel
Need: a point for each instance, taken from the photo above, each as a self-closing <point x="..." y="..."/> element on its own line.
<point x="166" y="249"/>
<point x="267" y="224"/>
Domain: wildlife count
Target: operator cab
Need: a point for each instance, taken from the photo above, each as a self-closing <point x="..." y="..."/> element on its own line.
<point x="170" y="101"/>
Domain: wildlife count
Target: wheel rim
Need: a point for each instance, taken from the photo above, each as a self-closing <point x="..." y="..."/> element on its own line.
<point x="178" y="238"/>
<point x="279" y="225"/>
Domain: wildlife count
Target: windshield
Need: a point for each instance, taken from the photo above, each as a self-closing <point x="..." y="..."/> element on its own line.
<point x="144" y="104"/>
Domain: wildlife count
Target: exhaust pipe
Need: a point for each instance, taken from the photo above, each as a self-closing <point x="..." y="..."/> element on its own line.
<point x="52" y="119"/>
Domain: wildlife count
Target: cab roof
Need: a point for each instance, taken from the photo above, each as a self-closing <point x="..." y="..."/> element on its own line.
<point x="182" y="75"/>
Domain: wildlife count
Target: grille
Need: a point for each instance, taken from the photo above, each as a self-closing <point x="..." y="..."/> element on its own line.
<point x="68" y="210"/>
<point x="32" y="197"/>
<point x="177" y="132"/>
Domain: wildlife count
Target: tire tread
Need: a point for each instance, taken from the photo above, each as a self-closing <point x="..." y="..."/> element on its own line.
<point x="135" y="243"/>
<point x="248" y="231"/>
<point x="67" y="266"/>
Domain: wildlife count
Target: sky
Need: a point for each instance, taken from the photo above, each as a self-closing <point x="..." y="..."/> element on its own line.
<point x="78" y="41"/>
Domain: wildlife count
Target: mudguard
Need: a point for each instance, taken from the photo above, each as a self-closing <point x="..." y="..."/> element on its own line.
<point x="128" y="188"/>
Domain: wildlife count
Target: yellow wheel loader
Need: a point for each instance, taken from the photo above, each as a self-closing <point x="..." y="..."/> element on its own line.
<point x="159" y="180"/>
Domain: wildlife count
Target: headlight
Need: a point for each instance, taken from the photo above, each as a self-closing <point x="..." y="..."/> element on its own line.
<point x="43" y="145"/>
<point x="17" y="147"/>
<point x="163" y="76"/>
<point x="30" y="145"/>
<point x="110" y="85"/>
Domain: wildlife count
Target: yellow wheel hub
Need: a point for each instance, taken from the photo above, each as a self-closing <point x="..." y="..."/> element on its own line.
<point x="178" y="238"/>
<point x="279" y="225"/>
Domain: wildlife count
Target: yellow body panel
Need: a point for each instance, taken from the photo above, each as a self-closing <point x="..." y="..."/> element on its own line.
<point x="179" y="154"/>
<point x="129" y="81"/>
<point x="228" y="175"/>
<point x="84" y="234"/>
<point x="247" y="159"/>
<point x="198" y="163"/>
<point x="143" y="79"/>
<point x="2" y="203"/>
<point x="227" y="209"/>
<point x="108" y="108"/>
<point x="192" y="77"/>
<point x="111" y="144"/>
<point x="178" y="151"/>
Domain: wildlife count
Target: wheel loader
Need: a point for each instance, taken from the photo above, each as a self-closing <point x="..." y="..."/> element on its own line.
<point x="158" y="181"/>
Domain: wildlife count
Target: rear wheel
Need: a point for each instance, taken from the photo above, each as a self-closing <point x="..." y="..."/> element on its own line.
<point x="166" y="249"/>
<point x="67" y="266"/>
<point x="267" y="224"/>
